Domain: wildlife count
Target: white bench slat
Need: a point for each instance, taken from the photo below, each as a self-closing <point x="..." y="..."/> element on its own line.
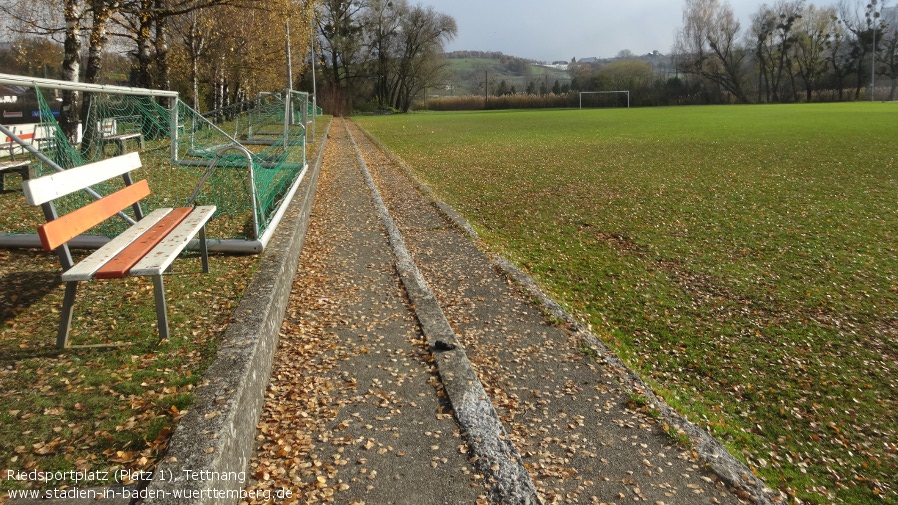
<point x="7" y="165"/>
<point x="50" y="187"/>
<point x="123" y="136"/>
<point x="159" y="259"/>
<point x="85" y="269"/>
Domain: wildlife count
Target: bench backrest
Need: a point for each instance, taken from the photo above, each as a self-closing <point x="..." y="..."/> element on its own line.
<point x="50" y="187"/>
<point x="106" y="127"/>
<point x="53" y="186"/>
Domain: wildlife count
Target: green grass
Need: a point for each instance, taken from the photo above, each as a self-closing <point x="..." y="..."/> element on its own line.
<point x="742" y="259"/>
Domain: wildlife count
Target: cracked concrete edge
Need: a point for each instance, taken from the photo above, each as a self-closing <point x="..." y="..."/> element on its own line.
<point x="496" y="454"/>
<point x="217" y="434"/>
<point x="709" y="449"/>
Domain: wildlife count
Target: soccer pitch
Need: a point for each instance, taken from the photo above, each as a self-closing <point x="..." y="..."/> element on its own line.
<point x="742" y="259"/>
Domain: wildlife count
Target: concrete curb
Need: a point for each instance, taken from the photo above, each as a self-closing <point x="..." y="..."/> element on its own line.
<point x="496" y="455"/>
<point x="718" y="458"/>
<point x="210" y="450"/>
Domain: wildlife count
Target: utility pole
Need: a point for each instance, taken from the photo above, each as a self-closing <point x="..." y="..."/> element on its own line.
<point x="486" y="89"/>
<point x="873" y="15"/>
<point x="288" y="110"/>
<point x="314" y="90"/>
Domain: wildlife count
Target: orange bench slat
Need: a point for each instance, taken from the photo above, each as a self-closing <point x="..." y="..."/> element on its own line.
<point x="129" y="256"/>
<point x="64" y="228"/>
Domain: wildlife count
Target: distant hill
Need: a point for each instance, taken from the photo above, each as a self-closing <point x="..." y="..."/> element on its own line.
<point x="468" y="70"/>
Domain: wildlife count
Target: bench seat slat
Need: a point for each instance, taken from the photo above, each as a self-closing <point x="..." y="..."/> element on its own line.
<point x="84" y="270"/>
<point x="64" y="228"/>
<point x="10" y="165"/>
<point x="123" y="136"/>
<point x="159" y="259"/>
<point x="129" y="256"/>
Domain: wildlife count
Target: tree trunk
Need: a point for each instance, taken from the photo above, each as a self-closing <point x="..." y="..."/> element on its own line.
<point x="144" y="48"/>
<point x="195" y="78"/>
<point x="162" y="47"/>
<point x="71" y="67"/>
<point x="99" y="35"/>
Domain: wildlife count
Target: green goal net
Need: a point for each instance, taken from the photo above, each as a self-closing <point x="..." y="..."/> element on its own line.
<point x="249" y="156"/>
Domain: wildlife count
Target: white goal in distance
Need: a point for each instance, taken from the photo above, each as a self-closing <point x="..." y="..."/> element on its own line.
<point x="627" y="92"/>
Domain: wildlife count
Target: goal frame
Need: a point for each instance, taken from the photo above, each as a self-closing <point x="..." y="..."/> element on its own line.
<point x="627" y="92"/>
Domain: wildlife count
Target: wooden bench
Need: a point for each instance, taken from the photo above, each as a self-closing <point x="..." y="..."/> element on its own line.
<point x="148" y="247"/>
<point x="10" y="164"/>
<point x="108" y="129"/>
<point x="22" y="167"/>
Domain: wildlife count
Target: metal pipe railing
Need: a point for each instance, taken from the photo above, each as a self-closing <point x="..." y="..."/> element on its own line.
<point x="20" y="80"/>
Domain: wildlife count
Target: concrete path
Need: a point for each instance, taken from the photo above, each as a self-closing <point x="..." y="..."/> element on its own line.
<point x="355" y="411"/>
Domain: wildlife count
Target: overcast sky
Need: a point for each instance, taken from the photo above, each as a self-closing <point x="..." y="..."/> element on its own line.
<point x="549" y="30"/>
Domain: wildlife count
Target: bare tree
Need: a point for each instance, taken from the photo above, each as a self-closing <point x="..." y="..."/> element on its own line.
<point x="775" y="41"/>
<point x="382" y="19"/>
<point x="341" y="33"/>
<point x="840" y="56"/>
<point x="812" y="33"/>
<point x="763" y="26"/>
<point x="423" y="33"/>
<point x="889" y="53"/>
<point x="708" y="45"/>
<point x="863" y="23"/>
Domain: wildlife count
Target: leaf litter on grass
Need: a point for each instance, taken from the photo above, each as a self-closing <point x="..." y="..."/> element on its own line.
<point x="101" y="409"/>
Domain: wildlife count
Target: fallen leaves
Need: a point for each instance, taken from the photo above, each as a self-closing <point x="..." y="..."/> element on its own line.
<point x="334" y="416"/>
<point x="99" y="409"/>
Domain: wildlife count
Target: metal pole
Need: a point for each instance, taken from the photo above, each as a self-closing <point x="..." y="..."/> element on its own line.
<point x="18" y="80"/>
<point x="873" y="61"/>
<point x="288" y="118"/>
<point x="174" y="129"/>
<point x="289" y="60"/>
<point x="314" y="90"/>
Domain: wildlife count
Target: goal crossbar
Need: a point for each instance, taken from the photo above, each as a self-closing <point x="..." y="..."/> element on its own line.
<point x="627" y="92"/>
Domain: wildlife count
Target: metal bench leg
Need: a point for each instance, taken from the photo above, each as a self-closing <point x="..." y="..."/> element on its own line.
<point x="204" y="250"/>
<point x="24" y="172"/>
<point x="65" y="317"/>
<point x="161" y="313"/>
